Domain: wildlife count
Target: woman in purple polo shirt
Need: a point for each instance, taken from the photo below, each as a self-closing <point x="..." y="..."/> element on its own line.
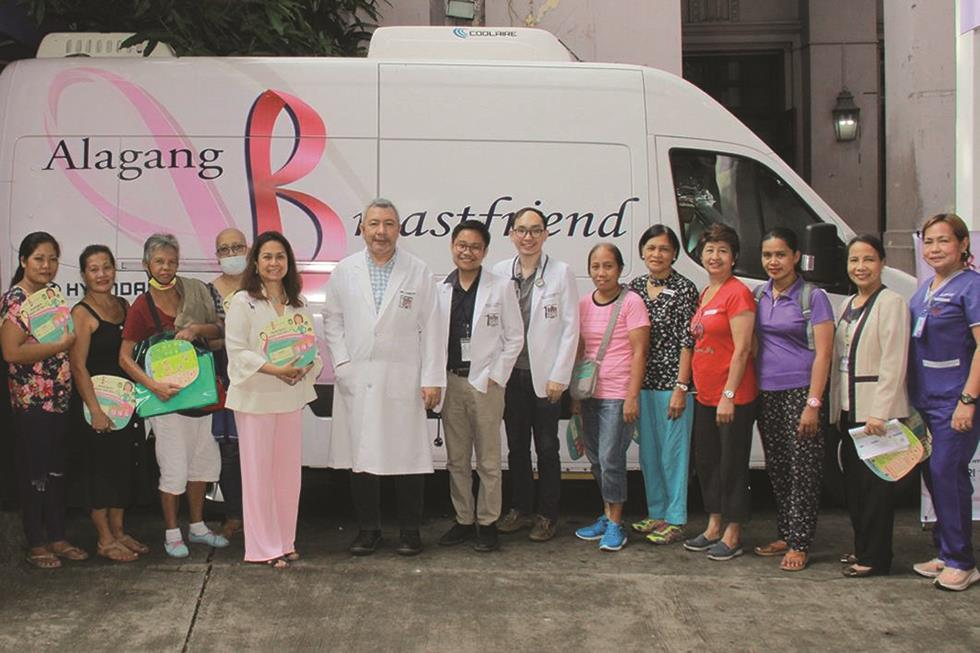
<point x="795" y="335"/>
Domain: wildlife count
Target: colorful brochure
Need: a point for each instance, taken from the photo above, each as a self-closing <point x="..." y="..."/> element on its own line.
<point x="574" y="439"/>
<point x="172" y="361"/>
<point x="289" y="338"/>
<point x="116" y="397"/>
<point x="890" y="456"/>
<point x="48" y="315"/>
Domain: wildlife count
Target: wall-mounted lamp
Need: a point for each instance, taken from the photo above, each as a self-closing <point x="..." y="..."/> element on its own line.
<point x="460" y="9"/>
<point x="846" y="117"/>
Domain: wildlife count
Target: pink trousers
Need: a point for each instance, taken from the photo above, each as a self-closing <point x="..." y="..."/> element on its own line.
<point x="271" y="451"/>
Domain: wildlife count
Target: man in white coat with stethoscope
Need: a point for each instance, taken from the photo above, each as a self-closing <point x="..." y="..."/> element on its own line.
<point x="548" y="299"/>
<point x="484" y="335"/>
<point x="382" y="326"/>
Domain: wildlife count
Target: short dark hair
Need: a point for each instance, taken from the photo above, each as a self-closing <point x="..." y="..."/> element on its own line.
<point x="656" y="231"/>
<point x="92" y="250"/>
<point x="719" y="233"/>
<point x="519" y="212"/>
<point x="867" y="239"/>
<point x="788" y="236"/>
<point x="618" y="255"/>
<point x="473" y="225"/>
<point x="292" y="283"/>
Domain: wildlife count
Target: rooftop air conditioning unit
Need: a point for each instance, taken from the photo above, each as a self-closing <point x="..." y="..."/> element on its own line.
<point x="95" y="44"/>
<point x="467" y="43"/>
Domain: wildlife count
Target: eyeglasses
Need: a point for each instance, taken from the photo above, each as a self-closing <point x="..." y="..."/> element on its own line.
<point x="476" y="248"/>
<point x="228" y="250"/>
<point x="533" y="232"/>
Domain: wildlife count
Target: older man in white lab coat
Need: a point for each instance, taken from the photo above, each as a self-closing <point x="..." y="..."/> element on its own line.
<point x="382" y="326"/>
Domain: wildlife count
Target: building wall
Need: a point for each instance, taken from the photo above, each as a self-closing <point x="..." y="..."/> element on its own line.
<point x="920" y="101"/>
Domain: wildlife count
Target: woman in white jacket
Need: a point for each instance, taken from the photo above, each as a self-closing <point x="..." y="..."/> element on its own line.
<point x="268" y="400"/>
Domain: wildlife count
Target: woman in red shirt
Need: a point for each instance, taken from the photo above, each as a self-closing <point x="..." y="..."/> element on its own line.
<point x="724" y="376"/>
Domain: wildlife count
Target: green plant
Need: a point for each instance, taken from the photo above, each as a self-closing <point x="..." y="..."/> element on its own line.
<point x="221" y="27"/>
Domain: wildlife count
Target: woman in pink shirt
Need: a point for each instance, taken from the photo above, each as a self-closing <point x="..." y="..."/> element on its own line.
<point x="608" y="416"/>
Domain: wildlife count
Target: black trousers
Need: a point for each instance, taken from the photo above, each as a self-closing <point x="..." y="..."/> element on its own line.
<point x="230" y="480"/>
<point x="721" y="461"/>
<point x="528" y="416"/>
<point x="366" y="494"/>
<point x="40" y="448"/>
<point x="870" y="502"/>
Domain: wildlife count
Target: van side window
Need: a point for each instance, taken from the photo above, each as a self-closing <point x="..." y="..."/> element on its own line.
<point x="737" y="191"/>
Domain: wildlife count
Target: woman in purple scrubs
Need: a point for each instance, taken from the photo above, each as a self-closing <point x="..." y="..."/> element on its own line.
<point x="944" y="381"/>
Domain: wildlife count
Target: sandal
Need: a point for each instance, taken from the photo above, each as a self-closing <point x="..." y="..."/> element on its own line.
<point x="666" y="535"/>
<point x="278" y="563"/>
<point x="117" y="552"/>
<point x="794" y="560"/>
<point x="292" y="556"/>
<point x="133" y="544"/>
<point x="773" y="549"/>
<point x="43" y="560"/>
<point x="848" y="559"/>
<point x="68" y="551"/>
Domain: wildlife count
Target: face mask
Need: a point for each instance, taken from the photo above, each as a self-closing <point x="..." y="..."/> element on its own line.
<point x="159" y="286"/>
<point x="232" y="265"/>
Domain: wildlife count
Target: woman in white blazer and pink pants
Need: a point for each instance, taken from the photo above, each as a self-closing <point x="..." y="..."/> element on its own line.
<point x="268" y="401"/>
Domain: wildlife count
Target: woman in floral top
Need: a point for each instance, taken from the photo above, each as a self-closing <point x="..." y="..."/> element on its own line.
<point x="40" y="391"/>
<point x="666" y="410"/>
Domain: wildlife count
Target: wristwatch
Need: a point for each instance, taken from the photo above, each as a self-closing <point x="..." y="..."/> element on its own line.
<point x="967" y="399"/>
<point x="814" y="402"/>
<point x="729" y="394"/>
<point x="682" y="386"/>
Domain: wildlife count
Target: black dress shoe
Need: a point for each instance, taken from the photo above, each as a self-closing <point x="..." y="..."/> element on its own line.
<point x="851" y="572"/>
<point x="486" y="539"/>
<point x="365" y="543"/>
<point x="409" y="543"/>
<point x="458" y="534"/>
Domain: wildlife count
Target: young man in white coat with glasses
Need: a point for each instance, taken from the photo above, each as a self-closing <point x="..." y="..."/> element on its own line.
<point x="485" y="334"/>
<point x="548" y="298"/>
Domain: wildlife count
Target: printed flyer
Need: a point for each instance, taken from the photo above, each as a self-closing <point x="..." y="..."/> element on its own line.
<point x="48" y="315"/>
<point x="288" y="338"/>
<point x="116" y="397"/>
<point x="172" y="361"/>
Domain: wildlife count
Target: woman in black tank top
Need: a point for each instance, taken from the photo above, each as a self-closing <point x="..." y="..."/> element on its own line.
<point x="109" y="454"/>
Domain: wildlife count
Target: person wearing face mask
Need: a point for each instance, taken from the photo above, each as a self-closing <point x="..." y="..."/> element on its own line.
<point x="231" y="249"/>
<point x="944" y="381"/>
<point x="381" y="322"/>
<point x="186" y="452"/>
<point x="40" y="392"/>
<point x="867" y="388"/>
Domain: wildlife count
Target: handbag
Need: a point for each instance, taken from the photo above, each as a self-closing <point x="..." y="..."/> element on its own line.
<point x="585" y="373"/>
<point x="205" y="395"/>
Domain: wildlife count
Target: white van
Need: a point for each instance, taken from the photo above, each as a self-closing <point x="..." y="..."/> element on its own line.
<point x="111" y="150"/>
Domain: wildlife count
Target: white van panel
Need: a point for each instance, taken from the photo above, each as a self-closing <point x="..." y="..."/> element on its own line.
<point x="585" y="189"/>
<point x="510" y="102"/>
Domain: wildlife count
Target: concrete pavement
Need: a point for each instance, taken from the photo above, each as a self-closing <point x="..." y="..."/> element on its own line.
<point x="560" y="595"/>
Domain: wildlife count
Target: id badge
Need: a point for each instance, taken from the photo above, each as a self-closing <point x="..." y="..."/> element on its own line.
<point x="920" y="326"/>
<point x="844" y="363"/>
<point x="464" y="350"/>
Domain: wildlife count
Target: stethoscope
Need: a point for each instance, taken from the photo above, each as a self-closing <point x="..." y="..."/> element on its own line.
<point x="538" y="280"/>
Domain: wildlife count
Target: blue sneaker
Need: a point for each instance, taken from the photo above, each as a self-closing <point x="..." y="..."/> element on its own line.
<point x="593" y="532"/>
<point x="176" y="549"/>
<point x="614" y="538"/>
<point x="210" y="538"/>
